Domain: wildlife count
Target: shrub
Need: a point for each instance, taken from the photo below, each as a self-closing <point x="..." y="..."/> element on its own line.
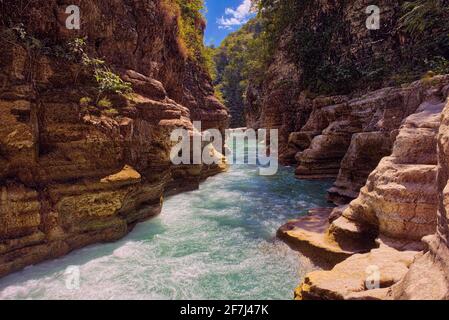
<point x="108" y="81"/>
<point x="110" y="112"/>
<point x="191" y="25"/>
<point x="104" y="103"/>
<point x="421" y="15"/>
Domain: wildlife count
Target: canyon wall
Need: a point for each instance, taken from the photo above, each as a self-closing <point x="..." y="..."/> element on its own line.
<point x="428" y="276"/>
<point x="331" y="31"/>
<point x="349" y="105"/>
<point x="407" y="198"/>
<point x="74" y="169"/>
<point x="337" y="90"/>
<point x="397" y="205"/>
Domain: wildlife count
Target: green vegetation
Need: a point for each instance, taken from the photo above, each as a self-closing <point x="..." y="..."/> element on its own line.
<point x="235" y="65"/>
<point x="18" y="34"/>
<point x="191" y="27"/>
<point x="191" y="23"/>
<point x="104" y="103"/>
<point x="421" y="15"/>
<point x="107" y="81"/>
<point x="102" y="107"/>
<point x="439" y="65"/>
<point x="75" y="51"/>
<point x="426" y="22"/>
<point x="85" y="101"/>
<point x="314" y="41"/>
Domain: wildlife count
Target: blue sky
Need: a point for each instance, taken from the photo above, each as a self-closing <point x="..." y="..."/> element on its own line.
<point x="224" y="17"/>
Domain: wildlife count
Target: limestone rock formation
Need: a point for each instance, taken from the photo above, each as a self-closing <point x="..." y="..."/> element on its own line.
<point x="401" y="274"/>
<point x="398" y="205"/>
<point x="365" y="151"/>
<point x="362" y="276"/>
<point x="376" y="116"/>
<point x="310" y="236"/>
<point x="399" y="200"/>
<point x="76" y="171"/>
<point x="396" y="208"/>
<point x="428" y="277"/>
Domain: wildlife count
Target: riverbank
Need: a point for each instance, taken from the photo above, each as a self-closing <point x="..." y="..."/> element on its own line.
<point x="218" y="242"/>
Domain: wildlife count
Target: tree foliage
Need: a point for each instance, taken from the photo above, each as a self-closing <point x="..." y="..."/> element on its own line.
<point x="236" y="61"/>
<point x="191" y="21"/>
<point x="313" y="38"/>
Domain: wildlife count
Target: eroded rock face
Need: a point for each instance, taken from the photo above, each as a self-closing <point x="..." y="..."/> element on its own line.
<point x="364" y="153"/>
<point x="75" y="172"/>
<point x="346" y="138"/>
<point x="400" y="198"/>
<point x="375" y="115"/>
<point x="428" y="277"/>
<point x="350" y="280"/>
<point x="443" y="176"/>
<point x="309" y="235"/>
<point x="400" y="204"/>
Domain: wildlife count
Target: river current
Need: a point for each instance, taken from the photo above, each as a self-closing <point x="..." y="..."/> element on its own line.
<point x="217" y="242"/>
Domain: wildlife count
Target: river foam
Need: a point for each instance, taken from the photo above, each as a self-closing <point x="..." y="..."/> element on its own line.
<point x="214" y="243"/>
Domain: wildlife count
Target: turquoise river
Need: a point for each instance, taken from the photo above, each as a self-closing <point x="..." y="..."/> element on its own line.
<point x="214" y="243"/>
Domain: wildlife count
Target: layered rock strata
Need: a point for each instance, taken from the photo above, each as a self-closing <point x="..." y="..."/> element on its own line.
<point x="337" y="37"/>
<point x="310" y="236"/>
<point x="354" y="135"/>
<point x="399" y="200"/>
<point x="350" y="280"/>
<point x="428" y="277"/>
<point x="74" y="169"/>
<point x="404" y="200"/>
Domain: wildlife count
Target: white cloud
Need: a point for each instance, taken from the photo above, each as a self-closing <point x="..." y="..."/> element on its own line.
<point x="235" y="17"/>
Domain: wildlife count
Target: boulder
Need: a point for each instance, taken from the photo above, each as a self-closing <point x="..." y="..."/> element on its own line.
<point x="362" y="276"/>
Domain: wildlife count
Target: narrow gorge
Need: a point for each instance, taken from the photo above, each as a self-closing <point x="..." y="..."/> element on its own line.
<point x="357" y="211"/>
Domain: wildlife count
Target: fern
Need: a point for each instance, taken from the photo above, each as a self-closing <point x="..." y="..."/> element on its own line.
<point x="420" y="15"/>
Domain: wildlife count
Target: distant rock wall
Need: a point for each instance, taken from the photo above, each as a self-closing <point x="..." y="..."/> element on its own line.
<point x="283" y="101"/>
